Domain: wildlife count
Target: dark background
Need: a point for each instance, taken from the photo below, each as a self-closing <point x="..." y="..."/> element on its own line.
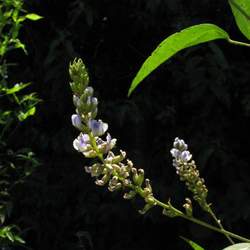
<point x="201" y="95"/>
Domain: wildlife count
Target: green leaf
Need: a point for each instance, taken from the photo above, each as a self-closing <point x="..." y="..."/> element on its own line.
<point x="241" y="12"/>
<point x="171" y="45"/>
<point x="240" y="246"/>
<point x="194" y="245"/>
<point x="19" y="239"/>
<point x="10" y="236"/>
<point x="17" y="87"/>
<point x="22" y="116"/>
<point x="33" y="16"/>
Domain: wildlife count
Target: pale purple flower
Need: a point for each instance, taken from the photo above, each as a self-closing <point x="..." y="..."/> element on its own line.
<point x="185" y="156"/>
<point x="175" y="153"/>
<point x="82" y="143"/>
<point x="181" y="155"/>
<point x="98" y="128"/>
<point x="76" y="121"/>
<point x="180" y="144"/>
<point x="180" y="152"/>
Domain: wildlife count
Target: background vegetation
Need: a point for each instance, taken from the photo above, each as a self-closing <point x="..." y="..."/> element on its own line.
<point x="201" y="95"/>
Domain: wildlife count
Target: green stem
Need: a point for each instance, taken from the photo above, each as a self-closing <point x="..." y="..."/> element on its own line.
<point x="93" y="143"/>
<point x="177" y="212"/>
<point x="220" y="225"/>
<point x="202" y="223"/>
<point x="238" y="43"/>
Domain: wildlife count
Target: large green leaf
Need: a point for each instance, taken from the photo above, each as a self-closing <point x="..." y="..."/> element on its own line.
<point x="171" y="45"/>
<point x="240" y="246"/>
<point x="241" y="12"/>
<point x="194" y="245"/>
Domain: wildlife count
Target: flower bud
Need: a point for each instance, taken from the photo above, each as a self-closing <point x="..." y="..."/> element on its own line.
<point x="127" y="183"/>
<point x="113" y="188"/>
<point x="76" y="100"/>
<point x="99" y="183"/>
<point x="129" y="195"/>
<point x="90" y="154"/>
<point x="77" y="122"/>
<point x="180" y="144"/>
<point x="96" y="170"/>
<point x="188" y="207"/>
<point x="140" y="176"/>
<point x="147" y="184"/>
<point x="145" y="209"/>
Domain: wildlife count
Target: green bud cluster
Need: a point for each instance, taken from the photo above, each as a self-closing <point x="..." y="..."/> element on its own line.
<point x="188" y="207"/>
<point x="79" y="75"/>
<point x="189" y="173"/>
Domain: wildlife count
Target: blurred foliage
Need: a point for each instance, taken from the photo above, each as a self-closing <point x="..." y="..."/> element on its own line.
<point x="202" y="95"/>
<point x="15" y="106"/>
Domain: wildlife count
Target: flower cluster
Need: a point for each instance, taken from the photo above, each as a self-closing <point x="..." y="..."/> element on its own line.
<point x="112" y="169"/>
<point x="188" y="172"/>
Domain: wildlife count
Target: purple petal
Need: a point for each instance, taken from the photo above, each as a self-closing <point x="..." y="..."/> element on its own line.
<point x="175" y="153"/>
<point x="180" y="144"/>
<point x="81" y="143"/>
<point x="98" y="128"/>
<point x="186" y="156"/>
<point x="76" y="121"/>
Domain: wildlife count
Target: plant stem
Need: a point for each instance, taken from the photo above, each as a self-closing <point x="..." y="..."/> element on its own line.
<point x="220" y="225"/>
<point x="202" y="223"/>
<point x="177" y="212"/>
<point x="238" y="43"/>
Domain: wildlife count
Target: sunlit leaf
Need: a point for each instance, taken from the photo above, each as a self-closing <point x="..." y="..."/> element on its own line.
<point x="241" y="12"/>
<point x="239" y="246"/>
<point x="19" y="239"/>
<point x="10" y="236"/>
<point x="19" y="45"/>
<point x="33" y="16"/>
<point x="171" y="45"/>
<point x="24" y="115"/>
<point x="17" y="87"/>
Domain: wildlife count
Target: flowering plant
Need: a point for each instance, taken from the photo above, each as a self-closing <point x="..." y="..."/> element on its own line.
<point x="119" y="173"/>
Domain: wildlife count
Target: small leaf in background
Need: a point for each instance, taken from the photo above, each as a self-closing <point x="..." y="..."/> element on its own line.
<point x="194" y="245"/>
<point x="241" y="12"/>
<point x="18" y="239"/>
<point x="240" y="246"/>
<point x="188" y="37"/>
<point x="17" y="87"/>
<point x="22" y="116"/>
<point x="33" y="16"/>
<point x="7" y="232"/>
